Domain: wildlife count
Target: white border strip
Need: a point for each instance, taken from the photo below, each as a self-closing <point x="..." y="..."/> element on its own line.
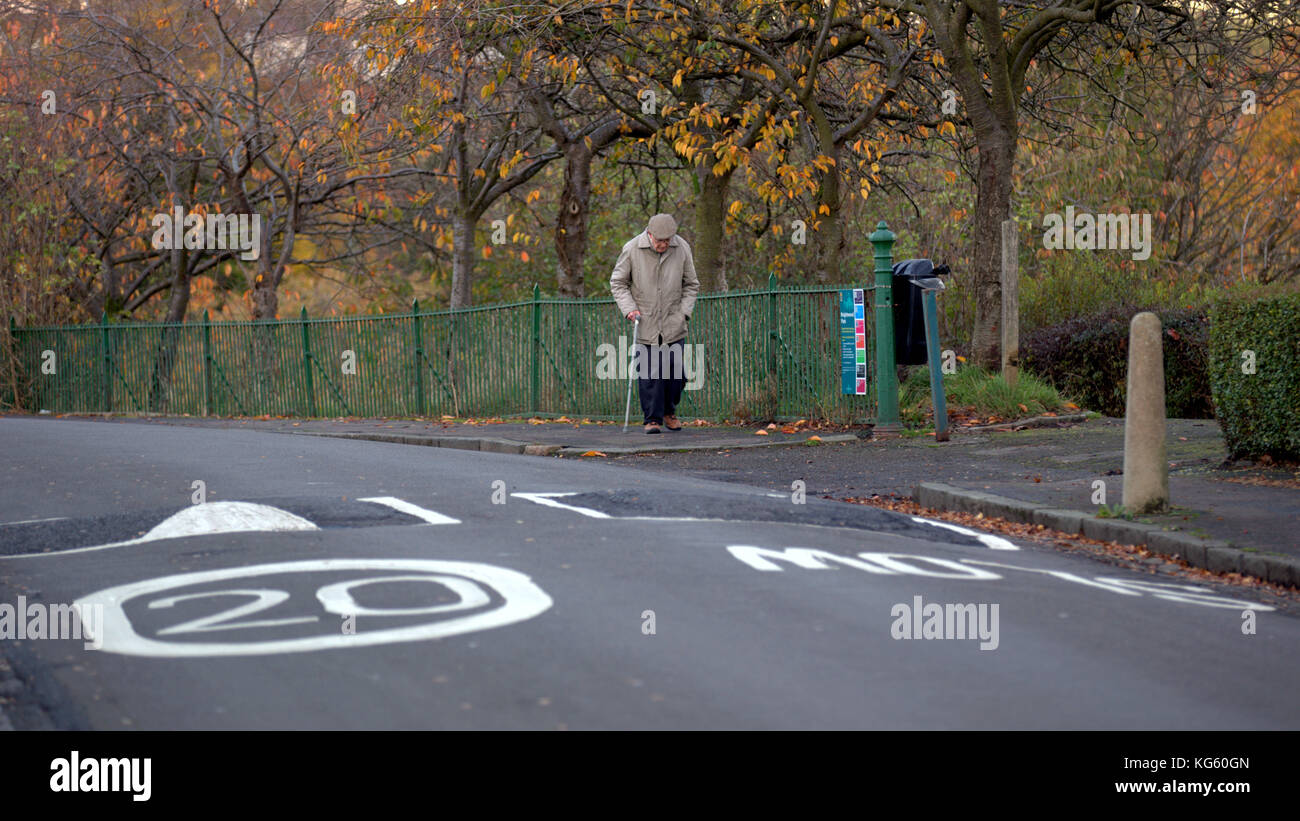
<point x="430" y="516"/>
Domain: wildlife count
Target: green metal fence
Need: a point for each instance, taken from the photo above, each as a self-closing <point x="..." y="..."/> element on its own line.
<point x="770" y="352"/>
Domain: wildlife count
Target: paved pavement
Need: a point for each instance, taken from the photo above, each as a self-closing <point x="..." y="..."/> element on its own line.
<point x="548" y="439"/>
<point x="250" y="580"/>
<point x="1254" y="508"/>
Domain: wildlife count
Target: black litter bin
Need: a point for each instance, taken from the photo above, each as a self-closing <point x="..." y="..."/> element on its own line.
<point x="909" y="316"/>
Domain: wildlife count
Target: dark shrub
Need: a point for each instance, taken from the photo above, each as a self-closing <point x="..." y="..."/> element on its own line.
<point x="1086" y="359"/>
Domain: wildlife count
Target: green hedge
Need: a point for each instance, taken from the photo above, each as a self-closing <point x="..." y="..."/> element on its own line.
<point x="1086" y="359"/>
<point x="1259" y="412"/>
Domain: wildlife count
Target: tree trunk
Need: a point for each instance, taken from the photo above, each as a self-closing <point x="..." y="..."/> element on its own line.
<point x="830" y="234"/>
<point x="165" y="357"/>
<point x="997" y="158"/>
<point x="571" y="223"/>
<point x="265" y="300"/>
<point x="830" y="238"/>
<point x="266" y="304"/>
<point x="462" y="259"/>
<point x="710" y="228"/>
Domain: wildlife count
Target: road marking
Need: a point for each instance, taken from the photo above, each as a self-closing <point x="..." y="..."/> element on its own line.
<point x="202" y="520"/>
<point x="988" y="540"/>
<point x="549" y="500"/>
<point x="762" y="558"/>
<point x="894" y="564"/>
<point x="1168" y="591"/>
<point x="473" y="582"/>
<point x="887" y="564"/>
<point x="33" y="521"/>
<point x="432" y="517"/>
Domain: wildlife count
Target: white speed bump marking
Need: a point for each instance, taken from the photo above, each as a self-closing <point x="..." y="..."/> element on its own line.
<point x="550" y="500"/>
<point x="211" y="518"/>
<point x="430" y="516"/>
<point x="201" y="520"/>
<point x="472" y="582"/>
<point x="987" y="539"/>
<point x="34" y="521"/>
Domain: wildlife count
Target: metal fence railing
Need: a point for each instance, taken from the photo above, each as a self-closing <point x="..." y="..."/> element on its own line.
<point x="763" y="353"/>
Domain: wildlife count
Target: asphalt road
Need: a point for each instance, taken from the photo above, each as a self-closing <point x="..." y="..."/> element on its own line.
<point x="326" y="583"/>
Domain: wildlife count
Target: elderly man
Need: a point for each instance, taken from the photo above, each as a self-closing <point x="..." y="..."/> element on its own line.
<point x="654" y="281"/>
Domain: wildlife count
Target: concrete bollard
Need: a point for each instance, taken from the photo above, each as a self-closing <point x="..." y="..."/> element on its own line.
<point x="1146" y="469"/>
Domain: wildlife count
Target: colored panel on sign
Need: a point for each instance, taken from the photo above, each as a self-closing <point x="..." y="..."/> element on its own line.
<point x="848" y="357"/>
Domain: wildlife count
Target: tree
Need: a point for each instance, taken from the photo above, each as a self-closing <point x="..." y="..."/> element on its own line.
<point x="989" y="48"/>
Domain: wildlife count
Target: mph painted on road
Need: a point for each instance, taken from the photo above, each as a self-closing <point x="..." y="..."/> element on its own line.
<point x="906" y="564"/>
<point x="311" y="605"/>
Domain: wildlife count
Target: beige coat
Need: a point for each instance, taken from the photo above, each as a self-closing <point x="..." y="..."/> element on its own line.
<point x="661" y="286"/>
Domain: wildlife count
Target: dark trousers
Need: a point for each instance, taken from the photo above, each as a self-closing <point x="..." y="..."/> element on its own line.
<point x="661" y="377"/>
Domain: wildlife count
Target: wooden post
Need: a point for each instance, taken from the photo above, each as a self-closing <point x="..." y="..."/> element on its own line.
<point x="1010" y="302"/>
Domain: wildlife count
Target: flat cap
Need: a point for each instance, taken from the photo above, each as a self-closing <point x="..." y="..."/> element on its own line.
<point x="662" y="226"/>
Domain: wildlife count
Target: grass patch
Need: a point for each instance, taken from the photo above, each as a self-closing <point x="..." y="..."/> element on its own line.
<point x="1114" y="512"/>
<point x="975" y="391"/>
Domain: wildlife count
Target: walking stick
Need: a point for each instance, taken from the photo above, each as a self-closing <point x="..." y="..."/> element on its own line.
<point x="628" y="412"/>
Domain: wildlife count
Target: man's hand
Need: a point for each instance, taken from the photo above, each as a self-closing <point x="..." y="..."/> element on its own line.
<point x="634" y="316"/>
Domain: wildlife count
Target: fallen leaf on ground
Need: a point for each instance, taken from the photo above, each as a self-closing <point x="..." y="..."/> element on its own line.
<point x="814" y="438"/>
<point x="760" y="433"/>
<point x="593" y="453"/>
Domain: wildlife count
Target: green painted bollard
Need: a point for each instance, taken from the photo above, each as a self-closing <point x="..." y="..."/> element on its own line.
<point x="886" y="379"/>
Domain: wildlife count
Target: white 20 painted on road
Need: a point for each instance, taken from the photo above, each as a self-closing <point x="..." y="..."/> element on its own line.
<point x="472" y="583"/>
